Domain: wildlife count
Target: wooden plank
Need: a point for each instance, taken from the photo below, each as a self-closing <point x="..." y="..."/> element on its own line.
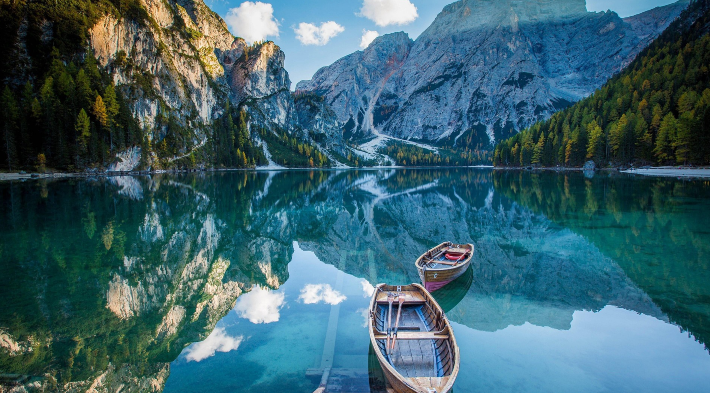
<point x="406" y="302"/>
<point x="444" y="263"/>
<point x="409" y="297"/>
<point x="326" y="363"/>
<point x="415" y="336"/>
<point x="428" y="382"/>
<point x="331" y="333"/>
<point x="372" y="267"/>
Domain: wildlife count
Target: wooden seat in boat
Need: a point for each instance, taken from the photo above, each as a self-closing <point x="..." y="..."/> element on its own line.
<point x="414" y="336"/>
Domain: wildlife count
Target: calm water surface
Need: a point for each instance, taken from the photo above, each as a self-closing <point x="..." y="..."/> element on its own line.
<point x="258" y="281"/>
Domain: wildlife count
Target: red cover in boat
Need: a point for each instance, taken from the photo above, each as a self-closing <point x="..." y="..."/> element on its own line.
<point x="453" y="256"/>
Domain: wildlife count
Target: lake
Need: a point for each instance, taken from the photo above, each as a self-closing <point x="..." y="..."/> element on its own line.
<point x="258" y="281"/>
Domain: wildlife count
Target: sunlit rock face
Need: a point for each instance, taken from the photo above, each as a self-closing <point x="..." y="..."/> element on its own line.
<point x="124" y="379"/>
<point x="182" y="62"/>
<point x="484" y="67"/>
<point x="183" y="72"/>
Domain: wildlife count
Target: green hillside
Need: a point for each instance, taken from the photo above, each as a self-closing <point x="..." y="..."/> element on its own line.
<point x="63" y="111"/>
<point x="656" y="111"/>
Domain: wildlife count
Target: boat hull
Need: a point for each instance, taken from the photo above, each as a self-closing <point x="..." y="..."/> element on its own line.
<point x="435" y="285"/>
<point x="435" y="278"/>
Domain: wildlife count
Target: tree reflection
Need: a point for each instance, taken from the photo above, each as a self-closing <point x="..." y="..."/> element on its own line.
<point x="654" y="228"/>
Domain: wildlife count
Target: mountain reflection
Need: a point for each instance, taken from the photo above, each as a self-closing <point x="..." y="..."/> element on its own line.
<point x="655" y="229"/>
<point x="107" y="281"/>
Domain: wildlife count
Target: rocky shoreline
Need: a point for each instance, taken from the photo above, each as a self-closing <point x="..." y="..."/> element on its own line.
<point x="679" y="172"/>
<point x="664" y="171"/>
<point x="692" y="173"/>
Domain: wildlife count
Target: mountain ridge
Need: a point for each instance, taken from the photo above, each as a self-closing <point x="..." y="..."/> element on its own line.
<point x="463" y="67"/>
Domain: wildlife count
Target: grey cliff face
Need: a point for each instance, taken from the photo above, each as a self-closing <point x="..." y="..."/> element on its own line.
<point x="484" y="67"/>
<point x="355" y="83"/>
<point x="170" y="65"/>
<point x="183" y="62"/>
<point x="317" y="117"/>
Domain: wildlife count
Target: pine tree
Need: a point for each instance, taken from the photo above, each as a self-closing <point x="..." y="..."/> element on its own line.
<point x="681" y="142"/>
<point x="595" y="145"/>
<point x="83" y="131"/>
<point x="8" y="120"/>
<point x="539" y="149"/>
<point x="27" y="125"/>
<point x="666" y="134"/>
<point x="616" y="137"/>
<point x="99" y="110"/>
<point x="47" y="103"/>
<point x="83" y="90"/>
<point x="111" y="106"/>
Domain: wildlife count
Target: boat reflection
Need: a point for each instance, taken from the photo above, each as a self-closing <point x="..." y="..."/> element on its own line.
<point x="452" y="293"/>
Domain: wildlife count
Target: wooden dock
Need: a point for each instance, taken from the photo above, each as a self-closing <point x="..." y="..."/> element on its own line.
<point x="343" y="380"/>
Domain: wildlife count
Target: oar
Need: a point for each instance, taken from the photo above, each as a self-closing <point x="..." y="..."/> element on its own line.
<point x="396" y="323"/>
<point x="433" y="258"/>
<point x="443" y="250"/>
<point x="462" y="255"/>
<point x="390" y="299"/>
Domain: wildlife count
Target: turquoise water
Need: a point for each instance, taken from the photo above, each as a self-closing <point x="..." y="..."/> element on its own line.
<point x="257" y="281"/>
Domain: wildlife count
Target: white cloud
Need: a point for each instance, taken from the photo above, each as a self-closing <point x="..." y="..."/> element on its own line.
<point x="365" y="313"/>
<point x="310" y="34"/>
<point x="253" y="21"/>
<point x="316" y="293"/>
<point x="260" y="305"/>
<point x="389" y="12"/>
<point x="367" y="37"/>
<point x="217" y="341"/>
<point x="367" y="288"/>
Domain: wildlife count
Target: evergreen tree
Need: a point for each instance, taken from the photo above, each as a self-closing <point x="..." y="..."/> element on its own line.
<point x="595" y="145"/>
<point x="111" y="106"/>
<point x="83" y="90"/>
<point x="539" y="150"/>
<point x="8" y="120"/>
<point x="28" y="125"/>
<point x="83" y="131"/>
<point x="99" y="110"/>
<point x="666" y="133"/>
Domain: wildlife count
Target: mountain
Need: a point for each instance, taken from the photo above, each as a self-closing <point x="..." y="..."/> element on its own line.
<point x="483" y="69"/>
<point x="657" y="111"/>
<point x="155" y="84"/>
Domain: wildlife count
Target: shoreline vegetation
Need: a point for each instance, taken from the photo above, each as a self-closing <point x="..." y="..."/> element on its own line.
<point x="10" y="176"/>
<point x="655" y="112"/>
<point x="663" y="171"/>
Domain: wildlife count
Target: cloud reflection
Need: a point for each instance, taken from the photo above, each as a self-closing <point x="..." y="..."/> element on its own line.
<point x="260" y="305"/>
<point x="217" y="341"/>
<point x="367" y="288"/>
<point x="316" y="293"/>
<point x="365" y="313"/>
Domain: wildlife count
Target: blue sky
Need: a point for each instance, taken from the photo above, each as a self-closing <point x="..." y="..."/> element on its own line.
<point x="315" y="33"/>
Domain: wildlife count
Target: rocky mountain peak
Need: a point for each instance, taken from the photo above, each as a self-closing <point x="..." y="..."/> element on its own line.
<point x="390" y="42"/>
<point x="485" y="69"/>
<point x="474" y="14"/>
<point x="257" y="71"/>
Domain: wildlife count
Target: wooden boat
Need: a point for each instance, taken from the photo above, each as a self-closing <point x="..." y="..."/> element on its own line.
<point x="443" y="264"/>
<point x="412" y="339"/>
